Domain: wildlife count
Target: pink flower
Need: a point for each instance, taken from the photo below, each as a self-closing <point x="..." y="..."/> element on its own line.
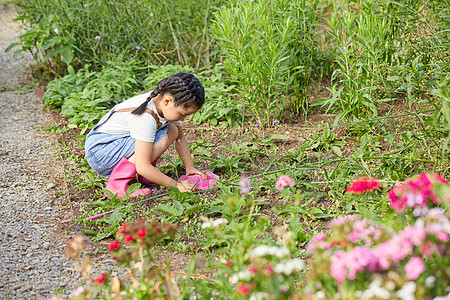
<point x="414" y="267"/>
<point x="138" y="48"/>
<point x="443" y="236"/>
<point x="98" y="37"/>
<point x="416" y="191"/>
<point x="361" y="185"/>
<point x="252" y="270"/>
<point x="319" y="237"/>
<point x="284" y="181"/>
<point x="245" y="184"/>
<point x="243" y="289"/>
<point x="269" y="269"/>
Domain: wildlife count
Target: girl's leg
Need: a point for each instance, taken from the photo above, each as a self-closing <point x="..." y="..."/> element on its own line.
<point x="162" y="145"/>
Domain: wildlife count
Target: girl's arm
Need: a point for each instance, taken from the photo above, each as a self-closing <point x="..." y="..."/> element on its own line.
<point x="182" y="147"/>
<point x="143" y="153"/>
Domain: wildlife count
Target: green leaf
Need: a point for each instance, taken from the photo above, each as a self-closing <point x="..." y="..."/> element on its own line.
<point x="50" y="43"/>
<point x="67" y="54"/>
<point x="12" y="46"/>
<point x="393" y="78"/>
<point x="70" y="70"/>
<point x="115" y="218"/>
<point x="89" y="231"/>
<point x="275" y="137"/>
<point x="337" y="151"/>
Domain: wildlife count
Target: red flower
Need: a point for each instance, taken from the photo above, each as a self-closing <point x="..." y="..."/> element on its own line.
<point x="142" y="233"/>
<point x="128" y="238"/>
<point x="243" y="289"/>
<point x="100" y="279"/>
<point x="157" y="228"/>
<point x="269" y="269"/>
<point x="122" y="230"/>
<point x="229" y="263"/>
<point x="113" y="245"/>
<point x="361" y="185"/>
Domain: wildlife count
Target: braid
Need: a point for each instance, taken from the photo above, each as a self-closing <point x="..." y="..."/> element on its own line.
<point x="185" y="88"/>
<point x="141" y="109"/>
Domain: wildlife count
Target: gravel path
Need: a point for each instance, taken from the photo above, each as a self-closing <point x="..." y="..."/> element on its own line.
<point x="32" y="263"/>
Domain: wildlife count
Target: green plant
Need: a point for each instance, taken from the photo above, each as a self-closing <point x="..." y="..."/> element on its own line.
<point x="145" y="278"/>
<point x="365" y="49"/>
<point x="84" y="97"/>
<point x="45" y="43"/>
<point x="442" y="114"/>
<point x="268" y="50"/>
<point x="147" y="31"/>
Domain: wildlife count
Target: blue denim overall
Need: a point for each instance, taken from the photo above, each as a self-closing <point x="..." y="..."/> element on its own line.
<point x="105" y="150"/>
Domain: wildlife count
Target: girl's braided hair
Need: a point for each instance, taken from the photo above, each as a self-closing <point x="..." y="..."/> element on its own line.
<point x="185" y="88"/>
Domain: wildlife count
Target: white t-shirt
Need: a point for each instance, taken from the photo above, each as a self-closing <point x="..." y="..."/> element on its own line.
<point x="141" y="127"/>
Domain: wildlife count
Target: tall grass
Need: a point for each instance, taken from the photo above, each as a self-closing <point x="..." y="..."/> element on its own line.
<point x="384" y="49"/>
<point x="268" y="50"/>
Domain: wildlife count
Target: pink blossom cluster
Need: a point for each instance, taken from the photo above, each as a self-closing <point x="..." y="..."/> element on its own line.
<point x="346" y="265"/>
<point x="353" y="228"/>
<point x="364" y="231"/>
<point x="318" y="242"/>
<point x="416" y="191"/>
<point x="362" y="185"/>
<point x="284" y="181"/>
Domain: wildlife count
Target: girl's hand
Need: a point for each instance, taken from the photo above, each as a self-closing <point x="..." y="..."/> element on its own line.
<point x="186" y="186"/>
<point x="194" y="171"/>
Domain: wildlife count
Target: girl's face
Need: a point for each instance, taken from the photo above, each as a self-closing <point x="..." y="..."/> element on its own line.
<point x="175" y="113"/>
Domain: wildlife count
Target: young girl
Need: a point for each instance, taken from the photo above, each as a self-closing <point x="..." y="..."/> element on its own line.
<point x="129" y="139"/>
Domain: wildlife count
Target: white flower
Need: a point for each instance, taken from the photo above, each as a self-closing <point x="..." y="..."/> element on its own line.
<point x="215" y="223"/>
<point x="244" y="275"/>
<point x="206" y="225"/>
<point x="219" y="221"/>
<point x="264" y="250"/>
<point x="320" y="295"/>
<point x="290" y="266"/>
<point x="429" y="281"/>
<point x="77" y="292"/>
<point x="442" y="297"/>
<point x="376" y="291"/>
<point x="56" y="30"/>
<point x="407" y="291"/>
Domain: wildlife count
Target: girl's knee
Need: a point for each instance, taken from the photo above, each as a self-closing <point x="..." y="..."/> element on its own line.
<point x="172" y="132"/>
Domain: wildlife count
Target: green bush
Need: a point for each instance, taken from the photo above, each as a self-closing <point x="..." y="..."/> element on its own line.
<point x="83" y="97"/>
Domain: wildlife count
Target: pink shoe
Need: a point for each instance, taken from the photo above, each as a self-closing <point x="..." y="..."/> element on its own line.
<point x="120" y="177"/>
<point x="144" y="180"/>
